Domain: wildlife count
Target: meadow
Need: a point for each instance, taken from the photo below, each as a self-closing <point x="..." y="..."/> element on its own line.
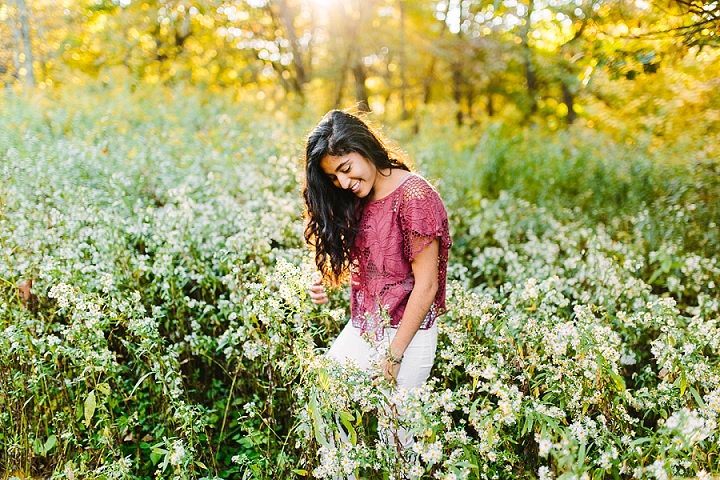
<point x="154" y="321"/>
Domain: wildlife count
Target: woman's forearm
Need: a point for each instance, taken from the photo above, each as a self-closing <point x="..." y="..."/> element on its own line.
<point x="425" y="271"/>
<point x="418" y="306"/>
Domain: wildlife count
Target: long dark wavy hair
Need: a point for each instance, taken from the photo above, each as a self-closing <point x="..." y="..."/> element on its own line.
<point x="332" y="213"/>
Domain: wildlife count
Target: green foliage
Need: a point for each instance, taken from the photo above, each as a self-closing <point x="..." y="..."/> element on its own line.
<point x="167" y="331"/>
<point x="535" y="62"/>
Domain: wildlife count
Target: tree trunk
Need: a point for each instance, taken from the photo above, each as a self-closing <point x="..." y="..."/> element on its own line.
<point x="531" y="80"/>
<point x="23" y="45"/>
<point x="347" y="29"/>
<point x="430" y="74"/>
<point x="24" y="15"/>
<point x="569" y="101"/>
<point x="341" y="79"/>
<point x="490" y="107"/>
<point x="459" y="83"/>
<point x="403" y="79"/>
<point x="15" y="30"/>
<point x="530" y="77"/>
<point x="457" y="90"/>
<point x="470" y="99"/>
<point x="288" y="21"/>
<point x="361" y="94"/>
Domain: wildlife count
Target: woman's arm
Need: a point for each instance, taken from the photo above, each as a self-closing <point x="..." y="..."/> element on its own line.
<point x="425" y="271"/>
<point x="317" y="292"/>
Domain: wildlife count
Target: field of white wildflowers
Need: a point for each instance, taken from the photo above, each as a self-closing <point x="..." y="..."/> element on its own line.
<point x="154" y="321"/>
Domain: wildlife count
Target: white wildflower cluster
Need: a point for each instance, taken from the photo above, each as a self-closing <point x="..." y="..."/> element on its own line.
<point x="550" y="411"/>
<point x="145" y="328"/>
<point x="85" y="309"/>
<point x="544" y="473"/>
<point x="335" y="461"/>
<point x="558" y="332"/>
<point x="531" y="291"/>
<point x="561" y="337"/>
<point x="607" y="458"/>
<point x="509" y="402"/>
<point x="64" y="294"/>
<point x="584" y="429"/>
<point x="117" y="469"/>
<point x="711" y="409"/>
<point x="293" y="282"/>
<point x="430" y="453"/>
<point x="178" y="453"/>
<point x="545" y="444"/>
<point x="628" y="357"/>
<point x="107" y="282"/>
<point x="688" y="427"/>
<point x="657" y="470"/>
<point x="252" y="349"/>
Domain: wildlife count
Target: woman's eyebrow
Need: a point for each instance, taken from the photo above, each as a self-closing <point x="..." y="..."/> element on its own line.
<point x="341" y="165"/>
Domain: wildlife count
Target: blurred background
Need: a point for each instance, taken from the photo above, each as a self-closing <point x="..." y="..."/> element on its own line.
<point x="622" y="66"/>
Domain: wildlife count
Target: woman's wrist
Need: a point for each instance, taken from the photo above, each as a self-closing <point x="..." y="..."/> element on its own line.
<point x="395" y="354"/>
<point x="395" y="360"/>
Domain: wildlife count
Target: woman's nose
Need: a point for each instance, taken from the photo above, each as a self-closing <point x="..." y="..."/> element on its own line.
<point x="343" y="180"/>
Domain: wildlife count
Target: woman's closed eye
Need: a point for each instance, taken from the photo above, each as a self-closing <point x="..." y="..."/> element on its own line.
<point x="345" y="170"/>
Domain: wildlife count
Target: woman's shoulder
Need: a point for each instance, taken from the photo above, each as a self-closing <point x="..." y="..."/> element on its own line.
<point x="415" y="186"/>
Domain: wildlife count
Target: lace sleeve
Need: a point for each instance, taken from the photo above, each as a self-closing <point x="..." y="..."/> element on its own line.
<point x="423" y="219"/>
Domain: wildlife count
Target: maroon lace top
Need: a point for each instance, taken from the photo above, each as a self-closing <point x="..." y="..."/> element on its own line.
<point x="391" y="232"/>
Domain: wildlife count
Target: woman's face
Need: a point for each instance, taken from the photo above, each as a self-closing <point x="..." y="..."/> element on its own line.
<point x="351" y="172"/>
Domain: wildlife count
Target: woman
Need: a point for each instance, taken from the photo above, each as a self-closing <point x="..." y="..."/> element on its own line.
<point x="370" y="218"/>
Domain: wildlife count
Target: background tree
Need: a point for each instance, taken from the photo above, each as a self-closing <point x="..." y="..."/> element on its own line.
<point x="19" y="15"/>
<point x="525" y="60"/>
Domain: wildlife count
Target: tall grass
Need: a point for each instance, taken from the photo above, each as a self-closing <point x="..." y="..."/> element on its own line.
<point x="167" y="333"/>
<point x="580" y="170"/>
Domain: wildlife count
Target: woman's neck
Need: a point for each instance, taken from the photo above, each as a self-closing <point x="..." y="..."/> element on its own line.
<point x="387" y="181"/>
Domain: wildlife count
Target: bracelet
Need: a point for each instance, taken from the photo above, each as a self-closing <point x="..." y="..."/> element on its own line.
<point x="393" y="359"/>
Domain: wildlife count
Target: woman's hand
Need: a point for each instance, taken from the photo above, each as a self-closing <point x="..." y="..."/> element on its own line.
<point x="389" y="369"/>
<point x="317" y="292"/>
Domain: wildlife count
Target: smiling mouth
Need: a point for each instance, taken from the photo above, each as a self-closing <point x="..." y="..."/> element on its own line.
<point x="354" y="188"/>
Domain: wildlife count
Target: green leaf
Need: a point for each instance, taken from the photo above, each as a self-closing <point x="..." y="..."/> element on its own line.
<point x="302" y="473"/>
<point x="619" y="381"/>
<point x="654" y="276"/>
<point x="345" y="419"/>
<point x="201" y="464"/>
<point x="139" y="382"/>
<point x="527" y="426"/>
<point x="155" y="457"/>
<point x="553" y="424"/>
<point x="697" y="397"/>
<point x="473" y="407"/>
<point x="581" y="456"/>
<point x="639" y="441"/>
<point x="89" y="408"/>
<point x="49" y="444"/>
<point x="104" y="388"/>
<point x="683" y="383"/>
<point x="323" y="379"/>
<point x="37" y="447"/>
<point x="317" y="423"/>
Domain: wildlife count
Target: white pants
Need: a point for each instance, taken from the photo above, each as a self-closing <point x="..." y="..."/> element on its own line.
<point x="417" y="360"/>
<point x="414" y="370"/>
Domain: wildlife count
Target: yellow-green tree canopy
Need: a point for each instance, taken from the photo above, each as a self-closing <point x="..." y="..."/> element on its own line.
<point x="552" y="59"/>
